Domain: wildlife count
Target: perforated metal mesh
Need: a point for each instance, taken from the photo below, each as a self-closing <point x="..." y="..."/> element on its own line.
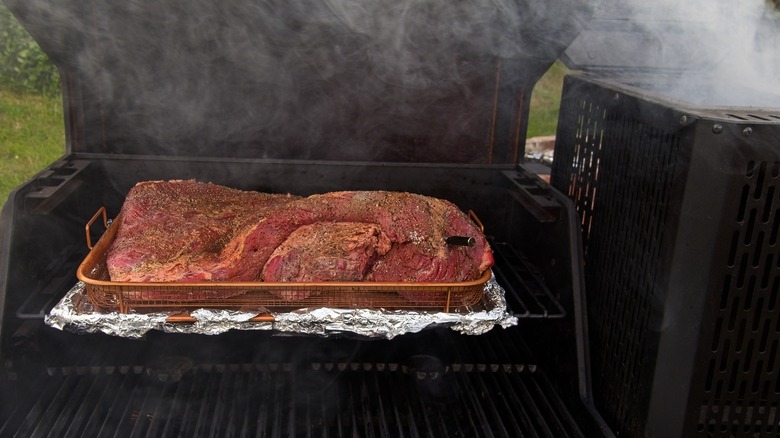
<point x="619" y="173"/>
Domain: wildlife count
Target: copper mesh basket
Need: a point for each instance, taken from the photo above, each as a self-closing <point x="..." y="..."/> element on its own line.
<point x="263" y="296"/>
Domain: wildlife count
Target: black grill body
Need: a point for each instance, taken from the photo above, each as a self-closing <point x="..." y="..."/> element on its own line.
<point x="300" y="97"/>
<point x="680" y="211"/>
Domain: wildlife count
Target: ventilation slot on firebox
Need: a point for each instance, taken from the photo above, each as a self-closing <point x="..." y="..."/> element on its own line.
<point x="743" y="354"/>
<point x="619" y="172"/>
<point x="625" y="198"/>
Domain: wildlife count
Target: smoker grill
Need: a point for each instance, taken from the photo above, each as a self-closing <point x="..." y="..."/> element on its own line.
<point x="428" y="97"/>
<point x="301" y="98"/>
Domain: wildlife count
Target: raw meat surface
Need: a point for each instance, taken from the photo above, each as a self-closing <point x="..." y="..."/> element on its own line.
<point x="181" y="231"/>
<point x="326" y="251"/>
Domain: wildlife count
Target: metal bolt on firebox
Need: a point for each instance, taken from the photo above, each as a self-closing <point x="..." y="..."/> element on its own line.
<point x="717" y="128"/>
<point x="747" y="131"/>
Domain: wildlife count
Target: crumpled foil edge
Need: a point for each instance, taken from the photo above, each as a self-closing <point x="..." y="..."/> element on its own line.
<point x="372" y="323"/>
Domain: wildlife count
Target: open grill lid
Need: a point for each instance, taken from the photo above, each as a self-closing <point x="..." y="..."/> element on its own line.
<point x="431" y="81"/>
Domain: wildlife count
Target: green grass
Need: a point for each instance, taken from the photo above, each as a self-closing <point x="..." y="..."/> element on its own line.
<point x="32" y="135"/>
<point x="546" y="101"/>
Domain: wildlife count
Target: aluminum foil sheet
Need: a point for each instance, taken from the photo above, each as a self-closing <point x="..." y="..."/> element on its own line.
<point x="74" y="313"/>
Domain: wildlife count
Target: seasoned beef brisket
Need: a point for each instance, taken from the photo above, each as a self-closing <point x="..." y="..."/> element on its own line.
<point x="176" y="230"/>
<point x="180" y="231"/>
<point x="327" y="251"/>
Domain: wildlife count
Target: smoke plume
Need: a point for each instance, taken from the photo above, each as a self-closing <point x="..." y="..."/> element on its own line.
<point x="717" y="53"/>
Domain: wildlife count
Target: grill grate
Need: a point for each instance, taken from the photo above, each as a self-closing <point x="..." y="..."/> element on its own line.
<point x="526" y="293"/>
<point x="241" y="400"/>
<point x="424" y="395"/>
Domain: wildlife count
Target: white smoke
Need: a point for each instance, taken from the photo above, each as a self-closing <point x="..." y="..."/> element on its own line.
<point x="714" y="52"/>
<point x="402" y="80"/>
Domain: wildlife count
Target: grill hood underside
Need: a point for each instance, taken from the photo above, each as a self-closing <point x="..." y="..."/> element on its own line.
<point x="434" y="81"/>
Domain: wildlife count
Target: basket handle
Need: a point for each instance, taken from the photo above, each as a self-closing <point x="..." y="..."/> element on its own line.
<point x="474" y="217"/>
<point x="101" y="210"/>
